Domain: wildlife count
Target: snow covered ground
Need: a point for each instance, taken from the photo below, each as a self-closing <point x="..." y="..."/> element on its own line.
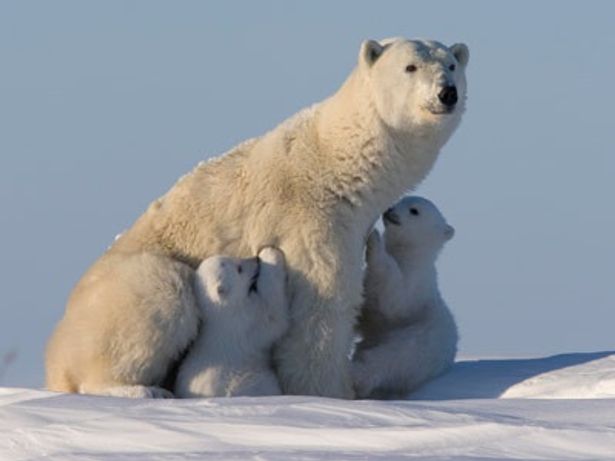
<point x="557" y="408"/>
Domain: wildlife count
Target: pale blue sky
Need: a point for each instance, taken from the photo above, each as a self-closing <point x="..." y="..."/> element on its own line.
<point x="103" y="105"/>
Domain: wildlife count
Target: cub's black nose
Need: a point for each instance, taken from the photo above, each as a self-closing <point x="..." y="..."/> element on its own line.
<point x="448" y="96"/>
<point x="389" y="217"/>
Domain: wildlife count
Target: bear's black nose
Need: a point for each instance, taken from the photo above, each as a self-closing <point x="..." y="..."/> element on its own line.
<point x="448" y="96"/>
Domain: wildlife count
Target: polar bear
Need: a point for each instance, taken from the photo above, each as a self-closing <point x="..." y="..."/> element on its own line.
<point x="245" y="310"/>
<point x="313" y="187"/>
<point x="409" y="334"/>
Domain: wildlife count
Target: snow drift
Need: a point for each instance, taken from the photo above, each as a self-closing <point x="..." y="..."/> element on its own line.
<point x="560" y="408"/>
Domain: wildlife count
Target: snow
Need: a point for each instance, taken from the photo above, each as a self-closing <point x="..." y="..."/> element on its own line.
<point x="568" y="376"/>
<point x="556" y="408"/>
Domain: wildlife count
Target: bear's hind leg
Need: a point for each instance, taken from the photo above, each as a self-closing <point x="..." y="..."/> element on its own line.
<point x="129" y="318"/>
<point x="134" y="392"/>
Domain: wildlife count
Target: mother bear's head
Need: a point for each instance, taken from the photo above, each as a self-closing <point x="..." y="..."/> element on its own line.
<point x="415" y="82"/>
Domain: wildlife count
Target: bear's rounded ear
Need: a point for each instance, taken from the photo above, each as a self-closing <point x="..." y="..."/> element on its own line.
<point x="371" y="50"/>
<point x="461" y="53"/>
<point x="449" y="232"/>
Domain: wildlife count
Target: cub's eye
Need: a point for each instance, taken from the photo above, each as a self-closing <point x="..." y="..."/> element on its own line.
<point x="452" y="67"/>
<point x="239" y="269"/>
<point x="414" y="211"/>
<point x="410" y="68"/>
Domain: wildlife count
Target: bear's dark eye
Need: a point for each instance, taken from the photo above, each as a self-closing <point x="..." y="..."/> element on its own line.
<point x="239" y="269"/>
<point x="410" y="68"/>
<point x="452" y="67"/>
<point x="414" y="211"/>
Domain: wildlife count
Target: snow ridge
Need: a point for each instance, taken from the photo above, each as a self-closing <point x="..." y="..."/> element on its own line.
<point x="557" y="408"/>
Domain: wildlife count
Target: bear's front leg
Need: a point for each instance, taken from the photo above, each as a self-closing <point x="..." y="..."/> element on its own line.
<point x="313" y="357"/>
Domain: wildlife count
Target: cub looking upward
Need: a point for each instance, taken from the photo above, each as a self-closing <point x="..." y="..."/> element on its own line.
<point x="245" y="310"/>
<point x="409" y="334"/>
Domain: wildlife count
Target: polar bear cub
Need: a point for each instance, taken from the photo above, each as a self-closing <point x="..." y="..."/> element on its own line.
<point x="245" y="309"/>
<point x="409" y="334"/>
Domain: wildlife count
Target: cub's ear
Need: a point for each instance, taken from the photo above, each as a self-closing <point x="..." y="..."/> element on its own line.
<point x="371" y="50"/>
<point x="461" y="53"/>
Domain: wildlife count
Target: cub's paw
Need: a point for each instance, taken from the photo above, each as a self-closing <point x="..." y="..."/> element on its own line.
<point x="271" y="255"/>
<point x="374" y="245"/>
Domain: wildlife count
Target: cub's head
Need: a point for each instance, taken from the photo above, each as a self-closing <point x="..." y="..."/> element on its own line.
<point x="415" y="82"/>
<point x="415" y="222"/>
<point x="224" y="286"/>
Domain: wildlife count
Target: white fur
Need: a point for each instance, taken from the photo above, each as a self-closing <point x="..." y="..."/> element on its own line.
<point x="409" y="334"/>
<point x="124" y="352"/>
<point x="232" y="354"/>
<point x="313" y="187"/>
<point x="133" y="392"/>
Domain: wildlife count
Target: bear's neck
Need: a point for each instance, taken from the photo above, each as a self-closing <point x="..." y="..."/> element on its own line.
<point x="368" y="165"/>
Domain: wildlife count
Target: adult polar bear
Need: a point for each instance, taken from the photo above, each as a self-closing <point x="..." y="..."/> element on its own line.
<point x="313" y="187"/>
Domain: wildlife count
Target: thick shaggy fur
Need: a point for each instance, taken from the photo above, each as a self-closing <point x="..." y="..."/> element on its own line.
<point x="313" y="187"/>
<point x="245" y="307"/>
<point x="409" y="334"/>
